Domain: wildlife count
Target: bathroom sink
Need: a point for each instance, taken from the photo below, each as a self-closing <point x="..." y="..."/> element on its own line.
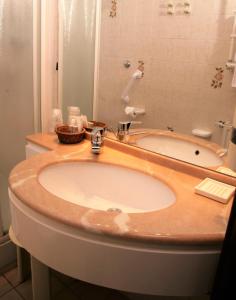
<point x="106" y="187"/>
<point x="180" y="149"/>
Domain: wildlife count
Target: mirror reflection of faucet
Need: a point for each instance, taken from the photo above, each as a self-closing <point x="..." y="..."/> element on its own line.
<point x="123" y="132"/>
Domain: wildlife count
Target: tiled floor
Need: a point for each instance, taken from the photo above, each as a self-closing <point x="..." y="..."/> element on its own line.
<point x="64" y="288"/>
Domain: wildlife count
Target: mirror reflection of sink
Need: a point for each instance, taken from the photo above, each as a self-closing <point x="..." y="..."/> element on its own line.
<point x="106" y="187"/>
<point x="180" y="149"/>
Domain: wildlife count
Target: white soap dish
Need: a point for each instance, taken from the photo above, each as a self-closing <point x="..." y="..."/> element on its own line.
<point x="226" y="171"/>
<point x="215" y="190"/>
<point x="205" y="134"/>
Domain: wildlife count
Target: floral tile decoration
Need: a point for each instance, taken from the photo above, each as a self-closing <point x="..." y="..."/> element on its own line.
<point x="217" y="81"/>
<point x="113" y="11"/>
<point x="141" y="66"/>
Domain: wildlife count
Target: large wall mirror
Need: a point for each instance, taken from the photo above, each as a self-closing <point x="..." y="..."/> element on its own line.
<point x="160" y="65"/>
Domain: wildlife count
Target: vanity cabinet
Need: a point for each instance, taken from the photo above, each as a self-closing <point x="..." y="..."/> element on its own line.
<point x="173" y="251"/>
<point x="32" y="149"/>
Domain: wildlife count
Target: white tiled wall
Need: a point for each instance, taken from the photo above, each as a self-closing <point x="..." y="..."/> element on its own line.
<point x="181" y="53"/>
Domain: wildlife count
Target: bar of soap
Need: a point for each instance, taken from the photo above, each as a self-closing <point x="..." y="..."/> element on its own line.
<point x="215" y="190"/>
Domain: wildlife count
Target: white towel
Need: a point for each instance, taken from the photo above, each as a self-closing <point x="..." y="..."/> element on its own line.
<point x="231" y="157"/>
<point x="234" y="78"/>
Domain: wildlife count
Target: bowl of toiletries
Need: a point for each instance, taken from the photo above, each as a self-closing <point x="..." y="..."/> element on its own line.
<point x="92" y="124"/>
<point x="69" y="134"/>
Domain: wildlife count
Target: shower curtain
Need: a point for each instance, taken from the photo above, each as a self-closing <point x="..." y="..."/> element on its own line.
<point x="1" y="229"/>
<point x="16" y="91"/>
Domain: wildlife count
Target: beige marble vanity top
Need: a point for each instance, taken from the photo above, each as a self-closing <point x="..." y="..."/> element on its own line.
<point x="192" y="220"/>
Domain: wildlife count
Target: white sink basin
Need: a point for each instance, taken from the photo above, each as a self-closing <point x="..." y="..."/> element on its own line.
<point x="106" y="187"/>
<point x="180" y="149"/>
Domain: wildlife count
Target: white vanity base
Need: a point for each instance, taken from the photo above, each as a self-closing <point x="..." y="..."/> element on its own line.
<point x="40" y="280"/>
<point x="115" y="263"/>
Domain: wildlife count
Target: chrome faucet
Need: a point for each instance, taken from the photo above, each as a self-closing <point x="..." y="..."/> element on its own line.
<point x="123" y="132"/>
<point x="97" y="139"/>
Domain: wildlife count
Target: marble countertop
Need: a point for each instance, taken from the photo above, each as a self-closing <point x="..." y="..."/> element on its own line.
<point x="192" y="220"/>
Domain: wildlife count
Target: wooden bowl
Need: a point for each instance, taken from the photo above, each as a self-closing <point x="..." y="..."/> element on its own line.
<point x="69" y="135"/>
<point x="95" y="124"/>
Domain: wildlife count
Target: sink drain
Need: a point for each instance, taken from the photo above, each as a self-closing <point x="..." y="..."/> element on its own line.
<point x="114" y="209"/>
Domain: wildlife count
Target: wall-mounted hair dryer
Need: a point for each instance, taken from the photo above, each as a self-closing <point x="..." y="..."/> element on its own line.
<point x="136" y="75"/>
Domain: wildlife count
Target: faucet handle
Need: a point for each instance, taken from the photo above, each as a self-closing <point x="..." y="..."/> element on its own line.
<point x="98" y="130"/>
<point x="97" y="135"/>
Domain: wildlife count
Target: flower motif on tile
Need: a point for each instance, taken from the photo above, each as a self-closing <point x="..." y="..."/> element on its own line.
<point x="217" y="81"/>
<point x="141" y="66"/>
<point x="113" y="11"/>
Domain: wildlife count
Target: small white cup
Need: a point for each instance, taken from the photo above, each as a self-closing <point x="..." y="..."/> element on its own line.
<point x="57" y="119"/>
